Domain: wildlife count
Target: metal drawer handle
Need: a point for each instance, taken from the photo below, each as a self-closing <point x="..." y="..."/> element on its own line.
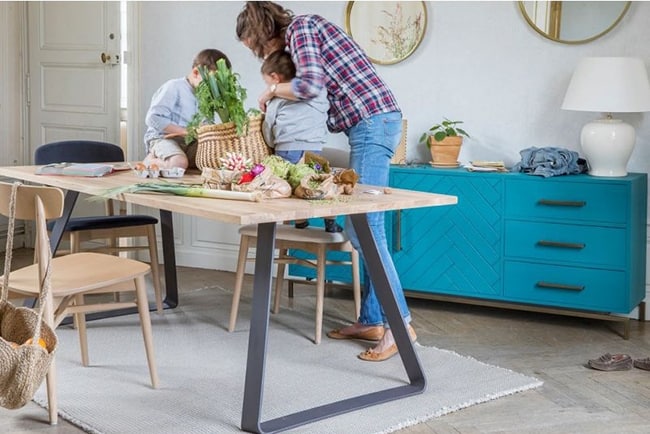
<point x="559" y="286"/>
<point x="546" y="243"/>
<point x="573" y="203"/>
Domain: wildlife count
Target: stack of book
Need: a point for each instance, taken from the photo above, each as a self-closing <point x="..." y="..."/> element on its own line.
<point x="486" y="166"/>
<point x="76" y="169"/>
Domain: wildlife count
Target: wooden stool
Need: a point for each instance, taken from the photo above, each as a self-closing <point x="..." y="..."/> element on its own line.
<point x="313" y="240"/>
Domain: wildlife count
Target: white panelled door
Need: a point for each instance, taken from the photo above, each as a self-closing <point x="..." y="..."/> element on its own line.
<point x="74" y="71"/>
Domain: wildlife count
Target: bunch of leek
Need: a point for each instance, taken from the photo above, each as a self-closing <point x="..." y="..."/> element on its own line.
<point x="178" y="189"/>
<point x="219" y="94"/>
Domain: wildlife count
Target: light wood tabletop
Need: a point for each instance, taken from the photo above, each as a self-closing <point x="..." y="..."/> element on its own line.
<point x="235" y="211"/>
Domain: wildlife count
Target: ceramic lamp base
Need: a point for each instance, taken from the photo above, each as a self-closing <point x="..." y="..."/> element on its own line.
<point x="607" y="145"/>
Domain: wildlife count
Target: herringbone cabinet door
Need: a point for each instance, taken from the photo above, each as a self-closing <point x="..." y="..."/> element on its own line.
<point x="450" y="249"/>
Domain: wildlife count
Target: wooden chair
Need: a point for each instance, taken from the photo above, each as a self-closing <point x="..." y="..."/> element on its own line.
<point x="399" y="157"/>
<point x="73" y="277"/>
<point x="115" y="225"/>
<point x="312" y="240"/>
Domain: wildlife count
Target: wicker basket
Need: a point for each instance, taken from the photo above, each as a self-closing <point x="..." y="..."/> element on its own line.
<point x="217" y="140"/>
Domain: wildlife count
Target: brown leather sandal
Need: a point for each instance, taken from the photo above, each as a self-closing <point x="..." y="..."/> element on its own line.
<point x="370" y="355"/>
<point x="374" y="333"/>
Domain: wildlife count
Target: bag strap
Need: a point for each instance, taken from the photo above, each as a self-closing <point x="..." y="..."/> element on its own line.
<point x="45" y="285"/>
<point x="10" y="241"/>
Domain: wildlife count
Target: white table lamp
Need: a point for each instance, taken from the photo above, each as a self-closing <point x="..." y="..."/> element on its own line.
<point x="608" y="85"/>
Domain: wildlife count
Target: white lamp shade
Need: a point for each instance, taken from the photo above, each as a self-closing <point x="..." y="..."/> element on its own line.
<point x="609" y="85"/>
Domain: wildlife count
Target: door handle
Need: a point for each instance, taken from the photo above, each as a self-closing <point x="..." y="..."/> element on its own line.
<point x="110" y="59"/>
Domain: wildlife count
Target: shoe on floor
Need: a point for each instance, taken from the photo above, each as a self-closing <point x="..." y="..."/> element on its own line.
<point x="332" y="226"/>
<point x="612" y="362"/>
<point x="374" y="333"/>
<point x="371" y="355"/>
<point x="301" y="224"/>
<point x="642" y="363"/>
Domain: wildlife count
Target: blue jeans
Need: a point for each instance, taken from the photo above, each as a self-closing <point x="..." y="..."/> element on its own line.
<point x="293" y="156"/>
<point x="290" y="156"/>
<point x="372" y="144"/>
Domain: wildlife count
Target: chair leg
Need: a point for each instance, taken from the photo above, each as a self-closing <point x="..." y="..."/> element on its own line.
<point x="155" y="267"/>
<point x="356" y="282"/>
<point x="80" y="321"/>
<point x="279" y="279"/>
<point x="50" y="378"/>
<point x="145" y="323"/>
<point x="75" y="247"/>
<point x="239" y="281"/>
<point x="320" y="290"/>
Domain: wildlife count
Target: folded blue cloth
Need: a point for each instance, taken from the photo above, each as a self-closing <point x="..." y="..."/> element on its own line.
<point x="550" y="161"/>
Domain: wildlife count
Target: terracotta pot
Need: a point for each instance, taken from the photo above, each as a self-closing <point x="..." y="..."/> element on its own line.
<point x="446" y="151"/>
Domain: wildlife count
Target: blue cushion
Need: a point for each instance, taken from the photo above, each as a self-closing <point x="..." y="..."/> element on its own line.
<point x="105" y="222"/>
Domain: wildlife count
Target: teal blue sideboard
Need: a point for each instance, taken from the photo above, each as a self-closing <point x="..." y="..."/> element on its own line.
<point x="571" y="244"/>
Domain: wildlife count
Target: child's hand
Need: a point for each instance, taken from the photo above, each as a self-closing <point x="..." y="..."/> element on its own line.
<point x="173" y="135"/>
<point x="264" y="99"/>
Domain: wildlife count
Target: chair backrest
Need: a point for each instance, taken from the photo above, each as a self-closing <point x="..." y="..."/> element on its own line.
<point x="35" y="203"/>
<point x="78" y="151"/>
<point x="51" y="197"/>
<point x="81" y="151"/>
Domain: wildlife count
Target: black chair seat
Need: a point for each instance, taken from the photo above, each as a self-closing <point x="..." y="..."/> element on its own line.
<point x="105" y="222"/>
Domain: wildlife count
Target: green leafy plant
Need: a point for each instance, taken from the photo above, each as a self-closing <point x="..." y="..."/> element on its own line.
<point x="219" y="95"/>
<point x="444" y="129"/>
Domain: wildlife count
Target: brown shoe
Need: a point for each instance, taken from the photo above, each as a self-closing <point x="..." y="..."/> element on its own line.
<point x="374" y="333"/>
<point x="642" y="363"/>
<point x="371" y="355"/>
<point x="612" y="362"/>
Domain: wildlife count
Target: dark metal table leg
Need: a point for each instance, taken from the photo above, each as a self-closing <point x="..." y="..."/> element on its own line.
<point x="169" y="258"/>
<point x="59" y="225"/>
<point x="254" y="386"/>
<point x="257" y="339"/>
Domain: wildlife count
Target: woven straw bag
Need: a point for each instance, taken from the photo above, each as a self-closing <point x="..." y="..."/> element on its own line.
<point x="22" y="369"/>
<point x="215" y="141"/>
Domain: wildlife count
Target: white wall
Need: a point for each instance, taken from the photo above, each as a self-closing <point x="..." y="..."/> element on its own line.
<point x="479" y="62"/>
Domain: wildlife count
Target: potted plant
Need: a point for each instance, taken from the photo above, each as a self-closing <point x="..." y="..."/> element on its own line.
<point x="221" y="97"/>
<point x="444" y="141"/>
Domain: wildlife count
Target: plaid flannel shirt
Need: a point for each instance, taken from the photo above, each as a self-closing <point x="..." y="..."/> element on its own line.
<point x="325" y="55"/>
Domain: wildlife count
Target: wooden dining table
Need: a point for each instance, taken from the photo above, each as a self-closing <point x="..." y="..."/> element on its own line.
<point x="266" y="214"/>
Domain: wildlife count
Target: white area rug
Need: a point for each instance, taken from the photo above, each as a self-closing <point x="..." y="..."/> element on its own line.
<point x="201" y="368"/>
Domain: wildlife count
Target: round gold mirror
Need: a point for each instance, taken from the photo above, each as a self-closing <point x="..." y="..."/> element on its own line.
<point x="573" y="22"/>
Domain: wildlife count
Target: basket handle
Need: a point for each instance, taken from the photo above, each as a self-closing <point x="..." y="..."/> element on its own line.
<point x="10" y="241"/>
<point x="45" y="285"/>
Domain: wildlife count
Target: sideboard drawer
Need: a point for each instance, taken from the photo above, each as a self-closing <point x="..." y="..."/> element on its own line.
<point x="570" y="287"/>
<point x="564" y="243"/>
<point x="558" y="200"/>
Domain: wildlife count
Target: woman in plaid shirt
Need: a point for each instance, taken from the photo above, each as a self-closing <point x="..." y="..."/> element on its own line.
<point x="361" y="106"/>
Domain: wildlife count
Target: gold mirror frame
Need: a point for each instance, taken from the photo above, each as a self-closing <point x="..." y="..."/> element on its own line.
<point x="555" y="23"/>
<point x="389" y="32"/>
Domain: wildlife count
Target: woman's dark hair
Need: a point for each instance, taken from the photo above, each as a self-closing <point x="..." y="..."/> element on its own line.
<point x="260" y="22"/>
<point x="209" y="57"/>
<point x="279" y="62"/>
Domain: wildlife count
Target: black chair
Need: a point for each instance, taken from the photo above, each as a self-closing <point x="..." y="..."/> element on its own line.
<point x="112" y="226"/>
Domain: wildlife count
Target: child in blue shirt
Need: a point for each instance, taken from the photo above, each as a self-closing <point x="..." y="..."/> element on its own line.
<point x="172" y="108"/>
